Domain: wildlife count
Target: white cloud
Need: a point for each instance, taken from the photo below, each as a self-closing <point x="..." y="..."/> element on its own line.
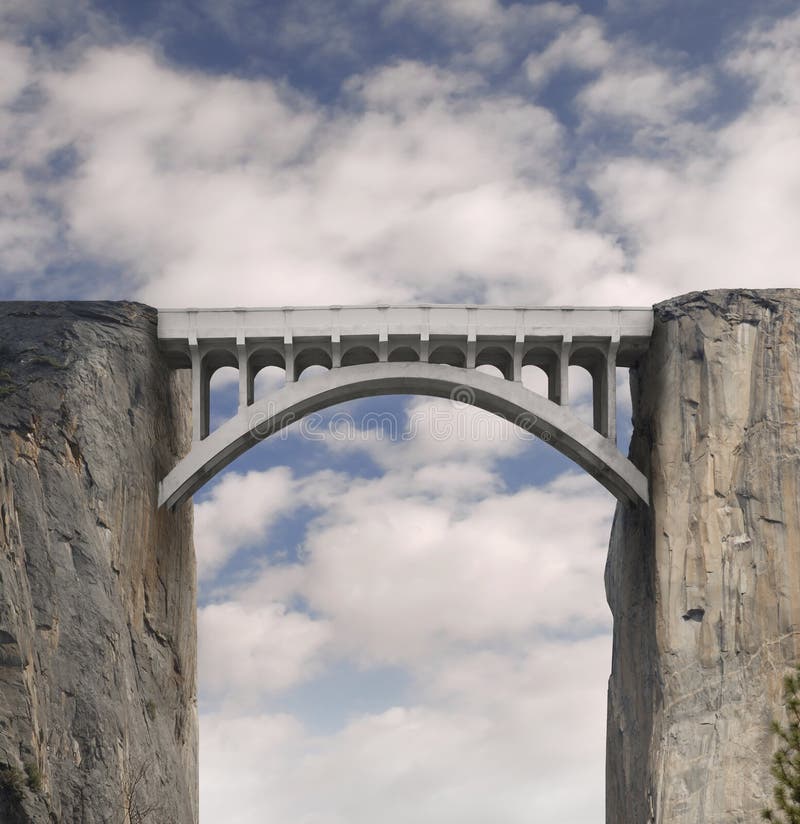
<point x="481" y="18"/>
<point x="639" y="94"/>
<point x="721" y="213"/>
<point x="238" y="192"/>
<point x="397" y="569"/>
<point x="767" y="57"/>
<point x="402" y="568"/>
<point x="25" y="229"/>
<point x="500" y="738"/>
<point x="485" y="35"/>
<point x="246" y="652"/>
<point x="623" y="81"/>
<point x="259" y="499"/>
<point x="582" y="46"/>
<point x="426" y="183"/>
<point x="408" y="86"/>
<point x="14" y="71"/>
<point x="430" y="432"/>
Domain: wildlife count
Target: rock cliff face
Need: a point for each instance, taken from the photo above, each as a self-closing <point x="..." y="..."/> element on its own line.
<point x="97" y="586"/>
<point x="705" y="584"/>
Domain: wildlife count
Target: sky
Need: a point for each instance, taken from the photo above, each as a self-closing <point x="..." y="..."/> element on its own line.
<point x="409" y="624"/>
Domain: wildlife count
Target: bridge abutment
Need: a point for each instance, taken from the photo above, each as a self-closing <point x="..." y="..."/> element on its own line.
<point x="97" y="584"/>
<point x="704" y="584"/>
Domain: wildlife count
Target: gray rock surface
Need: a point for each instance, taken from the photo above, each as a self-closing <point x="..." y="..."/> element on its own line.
<point x="705" y="585"/>
<point x="97" y="586"/>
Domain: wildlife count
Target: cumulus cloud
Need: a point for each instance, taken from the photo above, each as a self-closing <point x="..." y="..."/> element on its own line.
<point x="623" y="81"/>
<point x="398" y="569"/>
<point x="430" y="432"/>
<point x="259" y="500"/>
<point x="582" y="46"/>
<point x="14" y="71"/>
<point x="640" y="94"/>
<point x="428" y="186"/>
<point x="425" y="182"/>
<point x="426" y="576"/>
<point x="486" y="741"/>
<point x="247" y="652"/>
<point x="401" y="568"/>
<point x="721" y="213"/>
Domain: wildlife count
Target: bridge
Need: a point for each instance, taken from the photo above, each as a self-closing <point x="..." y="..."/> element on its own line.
<point x="422" y="350"/>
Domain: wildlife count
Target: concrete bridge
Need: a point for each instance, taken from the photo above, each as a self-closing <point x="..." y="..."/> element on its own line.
<point x="424" y="350"/>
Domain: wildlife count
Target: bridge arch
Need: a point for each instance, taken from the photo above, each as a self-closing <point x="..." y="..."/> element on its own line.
<point x="511" y="401"/>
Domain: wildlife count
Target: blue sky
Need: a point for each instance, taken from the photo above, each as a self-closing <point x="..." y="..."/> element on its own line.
<point x="407" y="629"/>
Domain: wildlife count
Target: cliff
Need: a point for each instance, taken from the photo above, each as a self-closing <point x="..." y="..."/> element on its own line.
<point x="97" y="586"/>
<point x="704" y="585"/>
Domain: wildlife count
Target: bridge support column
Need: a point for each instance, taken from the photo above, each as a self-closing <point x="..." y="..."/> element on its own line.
<point x="553" y="385"/>
<point x="288" y="356"/>
<point x="604" y="390"/>
<point x="245" y="375"/>
<point x="561" y="393"/>
<point x="609" y="411"/>
<point x="517" y="363"/>
<point x="201" y="402"/>
<point x="704" y="585"/>
<point x="472" y="345"/>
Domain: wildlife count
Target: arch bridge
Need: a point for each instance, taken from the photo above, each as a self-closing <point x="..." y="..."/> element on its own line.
<point x="424" y="350"/>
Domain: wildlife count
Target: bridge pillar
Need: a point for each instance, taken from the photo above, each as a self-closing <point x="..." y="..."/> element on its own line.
<point x="704" y="585"/>
<point x="561" y="394"/>
<point x="519" y="344"/>
<point x="245" y="375"/>
<point x="288" y="350"/>
<point x="472" y="345"/>
<point x="609" y="411"/>
<point x="201" y="401"/>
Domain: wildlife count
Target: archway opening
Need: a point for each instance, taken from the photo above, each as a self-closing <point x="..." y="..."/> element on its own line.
<point x="501" y="359"/>
<point x="311" y="361"/>
<point x="434" y="588"/>
<point x="267" y="371"/>
<point x="581" y="394"/>
<point x="267" y="381"/>
<point x="222" y="370"/>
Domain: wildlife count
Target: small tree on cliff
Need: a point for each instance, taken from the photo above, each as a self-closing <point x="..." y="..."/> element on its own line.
<point x="786" y="760"/>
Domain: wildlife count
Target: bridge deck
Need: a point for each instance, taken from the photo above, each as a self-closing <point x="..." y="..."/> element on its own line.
<point x="631" y="326"/>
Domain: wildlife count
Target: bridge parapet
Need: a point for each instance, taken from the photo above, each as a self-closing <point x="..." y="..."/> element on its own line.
<point x="508" y="338"/>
